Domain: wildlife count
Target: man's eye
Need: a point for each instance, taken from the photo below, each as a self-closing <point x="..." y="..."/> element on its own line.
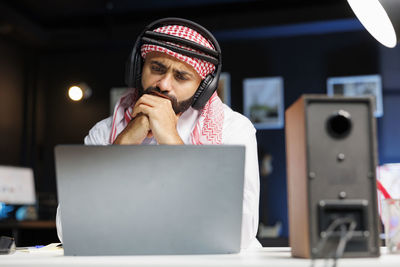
<point x="155" y="68"/>
<point x="181" y="77"/>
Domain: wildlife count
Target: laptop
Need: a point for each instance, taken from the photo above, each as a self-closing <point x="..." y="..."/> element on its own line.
<point x="150" y="199"/>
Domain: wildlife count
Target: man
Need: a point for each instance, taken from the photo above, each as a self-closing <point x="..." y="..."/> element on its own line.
<point x="163" y="107"/>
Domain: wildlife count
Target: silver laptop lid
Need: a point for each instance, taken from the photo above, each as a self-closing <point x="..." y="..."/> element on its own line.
<point x="135" y="200"/>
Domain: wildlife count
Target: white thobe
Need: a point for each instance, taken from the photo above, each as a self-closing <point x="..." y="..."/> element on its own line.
<point x="237" y="130"/>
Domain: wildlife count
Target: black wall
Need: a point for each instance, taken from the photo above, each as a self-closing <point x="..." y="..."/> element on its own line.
<point x="64" y="121"/>
<point x="12" y="81"/>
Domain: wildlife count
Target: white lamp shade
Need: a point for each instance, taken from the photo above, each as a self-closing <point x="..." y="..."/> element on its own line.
<point x="380" y="18"/>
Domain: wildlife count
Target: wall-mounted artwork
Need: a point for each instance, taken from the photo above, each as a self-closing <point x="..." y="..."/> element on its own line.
<point x="353" y="86"/>
<point x="263" y="102"/>
<point x="224" y="88"/>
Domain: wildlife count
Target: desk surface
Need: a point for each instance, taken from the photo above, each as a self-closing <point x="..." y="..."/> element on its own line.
<point x="270" y="257"/>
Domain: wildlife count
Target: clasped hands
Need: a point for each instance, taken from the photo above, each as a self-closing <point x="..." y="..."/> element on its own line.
<point x="152" y="115"/>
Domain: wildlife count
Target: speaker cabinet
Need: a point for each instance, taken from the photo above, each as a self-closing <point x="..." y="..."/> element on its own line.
<point x="331" y="160"/>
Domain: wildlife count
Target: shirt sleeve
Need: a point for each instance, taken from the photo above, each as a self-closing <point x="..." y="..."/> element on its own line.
<point x="238" y="130"/>
<point x="58" y="224"/>
<point x="100" y="133"/>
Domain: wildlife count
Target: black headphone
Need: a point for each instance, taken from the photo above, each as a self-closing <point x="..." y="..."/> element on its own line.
<point x="133" y="72"/>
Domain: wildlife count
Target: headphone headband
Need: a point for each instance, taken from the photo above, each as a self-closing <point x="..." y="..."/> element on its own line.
<point x="182" y="51"/>
<point x="178" y="40"/>
<point x="148" y="36"/>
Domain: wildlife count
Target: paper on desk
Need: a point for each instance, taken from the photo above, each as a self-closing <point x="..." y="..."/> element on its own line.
<point x="49" y="247"/>
<point x="52" y="246"/>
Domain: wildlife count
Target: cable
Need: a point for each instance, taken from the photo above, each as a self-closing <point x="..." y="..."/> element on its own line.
<point x="345" y="236"/>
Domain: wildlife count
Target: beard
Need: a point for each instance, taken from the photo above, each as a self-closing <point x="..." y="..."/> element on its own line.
<point x="177" y="106"/>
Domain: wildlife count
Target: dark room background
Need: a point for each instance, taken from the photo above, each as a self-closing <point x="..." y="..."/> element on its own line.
<point x="47" y="46"/>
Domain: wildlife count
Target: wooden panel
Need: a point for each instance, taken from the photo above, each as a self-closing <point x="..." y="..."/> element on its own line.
<point x="297" y="180"/>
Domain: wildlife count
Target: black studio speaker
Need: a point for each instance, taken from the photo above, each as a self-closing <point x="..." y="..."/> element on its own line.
<point x="331" y="160"/>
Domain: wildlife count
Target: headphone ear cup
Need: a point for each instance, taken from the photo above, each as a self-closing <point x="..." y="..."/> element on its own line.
<point x="133" y="67"/>
<point x="137" y="73"/>
<point x="203" y="92"/>
<point x="128" y="71"/>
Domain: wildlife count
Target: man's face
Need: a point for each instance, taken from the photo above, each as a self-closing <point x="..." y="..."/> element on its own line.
<point x="171" y="77"/>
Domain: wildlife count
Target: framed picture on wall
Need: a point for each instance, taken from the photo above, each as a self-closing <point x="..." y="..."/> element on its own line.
<point x="115" y="95"/>
<point x="353" y="86"/>
<point x="263" y="102"/>
<point x="224" y="88"/>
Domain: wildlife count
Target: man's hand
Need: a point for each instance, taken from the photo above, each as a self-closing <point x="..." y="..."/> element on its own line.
<point x="162" y="118"/>
<point x="135" y="132"/>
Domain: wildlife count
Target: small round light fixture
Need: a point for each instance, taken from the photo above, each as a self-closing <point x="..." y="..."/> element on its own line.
<point x="75" y="93"/>
<point x="79" y="92"/>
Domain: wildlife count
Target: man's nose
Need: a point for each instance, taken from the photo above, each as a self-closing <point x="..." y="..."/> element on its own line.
<point x="165" y="83"/>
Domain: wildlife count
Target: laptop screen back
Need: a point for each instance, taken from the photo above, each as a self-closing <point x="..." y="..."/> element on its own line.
<point x="138" y="200"/>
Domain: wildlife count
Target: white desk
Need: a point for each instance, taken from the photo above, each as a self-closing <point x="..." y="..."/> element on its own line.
<point x="266" y="257"/>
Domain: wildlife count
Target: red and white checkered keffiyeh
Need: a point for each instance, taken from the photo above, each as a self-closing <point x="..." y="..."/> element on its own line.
<point x="203" y="68"/>
<point x="208" y="129"/>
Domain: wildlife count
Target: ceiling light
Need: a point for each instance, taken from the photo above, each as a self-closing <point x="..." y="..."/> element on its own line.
<point x="380" y="17"/>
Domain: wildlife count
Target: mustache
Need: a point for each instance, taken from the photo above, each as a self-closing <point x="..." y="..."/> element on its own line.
<point x="157" y="92"/>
